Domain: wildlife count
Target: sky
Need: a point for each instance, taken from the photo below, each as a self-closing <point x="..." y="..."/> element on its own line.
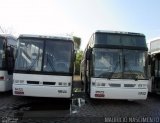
<point x="80" y="17"/>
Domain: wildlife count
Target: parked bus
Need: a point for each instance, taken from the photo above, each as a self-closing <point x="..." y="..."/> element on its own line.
<point x="7" y="59"/>
<point x="114" y="66"/>
<point x="44" y="66"/>
<point x="154" y="55"/>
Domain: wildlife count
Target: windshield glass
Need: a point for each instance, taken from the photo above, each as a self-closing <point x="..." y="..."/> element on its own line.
<point x="120" y="40"/>
<point x="134" y="64"/>
<point x="107" y="63"/>
<point x="57" y="56"/>
<point x="118" y="64"/>
<point x="2" y="53"/>
<point x="29" y="54"/>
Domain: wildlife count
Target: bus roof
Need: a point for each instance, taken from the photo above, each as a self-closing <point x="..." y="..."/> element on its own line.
<point x="7" y="36"/>
<point x="119" y="32"/>
<point x="46" y="37"/>
<point x="154" y="39"/>
<point x="154" y="46"/>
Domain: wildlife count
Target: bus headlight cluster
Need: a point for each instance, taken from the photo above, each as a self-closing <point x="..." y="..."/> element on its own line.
<point x="18" y="81"/>
<point x="142" y="85"/>
<point x="100" y="84"/>
<point x="93" y="83"/>
<point x="64" y="84"/>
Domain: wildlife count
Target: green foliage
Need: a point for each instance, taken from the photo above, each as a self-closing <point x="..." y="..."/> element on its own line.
<point x="79" y="56"/>
<point x="77" y="42"/>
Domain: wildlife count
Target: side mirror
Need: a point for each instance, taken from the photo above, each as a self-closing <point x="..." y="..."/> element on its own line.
<point x="149" y="59"/>
<point x="88" y="54"/>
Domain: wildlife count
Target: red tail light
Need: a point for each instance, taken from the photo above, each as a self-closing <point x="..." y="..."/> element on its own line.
<point x="1" y="77"/>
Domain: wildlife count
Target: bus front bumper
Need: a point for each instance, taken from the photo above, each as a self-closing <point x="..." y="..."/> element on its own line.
<point x="116" y="93"/>
<point x="41" y="91"/>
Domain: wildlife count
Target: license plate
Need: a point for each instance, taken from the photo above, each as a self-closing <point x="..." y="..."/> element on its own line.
<point x="99" y="95"/>
<point x="19" y="92"/>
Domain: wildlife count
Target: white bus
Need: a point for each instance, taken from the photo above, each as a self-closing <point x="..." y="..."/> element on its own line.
<point x="44" y="66"/>
<point x="7" y="58"/>
<point x="114" y="66"/>
<point x="154" y="84"/>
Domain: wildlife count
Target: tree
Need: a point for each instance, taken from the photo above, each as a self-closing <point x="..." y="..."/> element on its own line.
<point x="79" y="56"/>
<point x="8" y="30"/>
<point x="77" y="42"/>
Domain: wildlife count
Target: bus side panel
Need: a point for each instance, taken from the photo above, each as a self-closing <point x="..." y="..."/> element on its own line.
<point x="6" y="82"/>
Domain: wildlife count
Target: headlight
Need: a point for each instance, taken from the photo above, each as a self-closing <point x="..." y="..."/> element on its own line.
<point x="100" y="84"/>
<point x="93" y="83"/>
<point x="16" y="81"/>
<point x="142" y="85"/>
<point x="63" y="84"/>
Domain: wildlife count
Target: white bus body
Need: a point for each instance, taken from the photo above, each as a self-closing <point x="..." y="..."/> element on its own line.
<point x="7" y="56"/>
<point x="53" y="72"/>
<point x="114" y="71"/>
<point x="154" y="66"/>
<point x="23" y="88"/>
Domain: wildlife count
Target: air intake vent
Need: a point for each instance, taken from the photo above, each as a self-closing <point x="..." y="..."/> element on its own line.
<point x="115" y="85"/>
<point x="129" y="85"/>
<point x="49" y="83"/>
<point x="32" y="82"/>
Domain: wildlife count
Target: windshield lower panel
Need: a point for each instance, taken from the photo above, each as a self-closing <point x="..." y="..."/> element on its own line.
<point x="119" y="64"/>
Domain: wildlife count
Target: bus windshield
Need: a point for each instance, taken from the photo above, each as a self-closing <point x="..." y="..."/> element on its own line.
<point x="2" y="54"/>
<point x="135" y="64"/>
<point x="29" y="55"/>
<point x="107" y="61"/>
<point x="57" y="56"/>
<point x="45" y="55"/>
<point x="119" y="64"/>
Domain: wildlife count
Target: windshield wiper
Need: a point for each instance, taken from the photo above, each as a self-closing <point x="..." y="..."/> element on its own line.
<point x="130" y="70"/>
<point x="115" y="68"/>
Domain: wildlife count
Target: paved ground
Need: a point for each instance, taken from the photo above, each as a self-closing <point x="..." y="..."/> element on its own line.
<point x="81" y="109"/>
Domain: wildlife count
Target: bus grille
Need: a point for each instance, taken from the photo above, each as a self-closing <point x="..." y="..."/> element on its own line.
<point x="32" y="82"/>
<point x="129" y="85"/>
<point x="115" y="85"/>
<point x="49" y="83"/>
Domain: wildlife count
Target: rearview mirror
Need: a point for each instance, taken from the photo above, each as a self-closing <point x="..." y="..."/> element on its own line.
<point x="88" y="54"/>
